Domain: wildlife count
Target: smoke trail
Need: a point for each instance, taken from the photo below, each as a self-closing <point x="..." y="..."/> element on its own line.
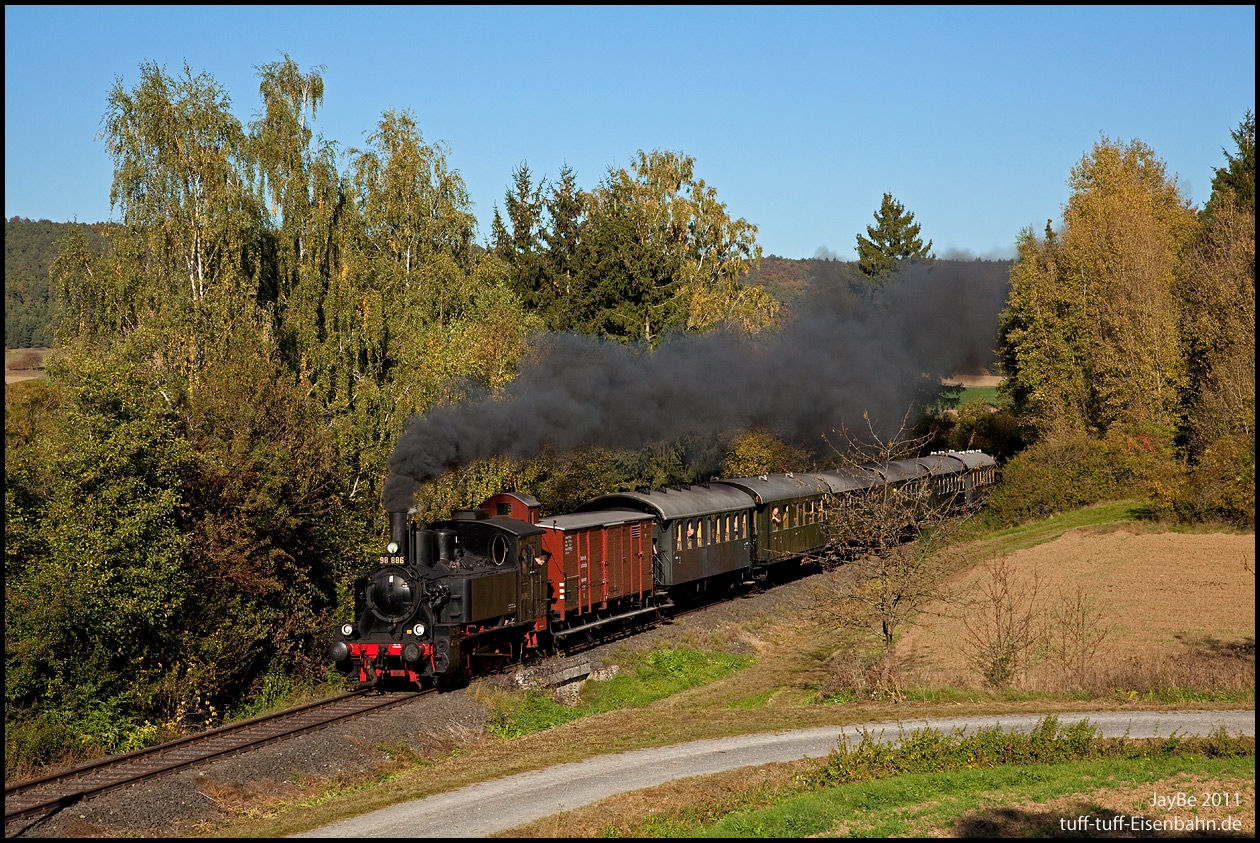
<point x="823" y="370"/>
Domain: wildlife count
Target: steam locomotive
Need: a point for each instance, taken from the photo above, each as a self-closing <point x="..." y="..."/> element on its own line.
<point x="491" y="585"/>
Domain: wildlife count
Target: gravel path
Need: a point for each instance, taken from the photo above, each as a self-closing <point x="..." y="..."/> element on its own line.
<point x="498" y="805"/>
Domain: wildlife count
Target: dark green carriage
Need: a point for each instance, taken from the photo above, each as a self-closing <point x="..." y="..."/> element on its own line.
<point x="788" y="515"/>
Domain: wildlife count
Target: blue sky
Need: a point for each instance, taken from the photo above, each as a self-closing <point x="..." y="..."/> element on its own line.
<point x="800" y="117"/>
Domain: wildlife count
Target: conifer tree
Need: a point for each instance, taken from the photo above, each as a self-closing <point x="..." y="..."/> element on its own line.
<point x="893" y="238"/>
<point x="1239" y="176"/>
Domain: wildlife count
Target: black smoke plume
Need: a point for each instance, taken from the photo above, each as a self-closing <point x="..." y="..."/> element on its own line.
<point x="823" y="370"/>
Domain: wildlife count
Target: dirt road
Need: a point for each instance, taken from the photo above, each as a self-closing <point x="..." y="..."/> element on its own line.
<point x="498" y="805"/>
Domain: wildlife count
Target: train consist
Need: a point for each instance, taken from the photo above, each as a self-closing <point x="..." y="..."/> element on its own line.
<point x="493" y="584"/>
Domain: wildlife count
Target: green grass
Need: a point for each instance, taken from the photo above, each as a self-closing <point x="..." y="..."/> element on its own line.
<point x="966" y="801"/>
<point x="646" y="678"/>
<point x="982" y="394"/>
<point x="11" y="355"/>
<point x="932" y="780"/>
<point x="1005" y="540"/>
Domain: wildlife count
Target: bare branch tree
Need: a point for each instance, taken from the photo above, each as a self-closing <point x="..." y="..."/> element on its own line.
<point x="893" y="531"/>
<point x="1077" y="630"/>
<point x="1003" y="623"/>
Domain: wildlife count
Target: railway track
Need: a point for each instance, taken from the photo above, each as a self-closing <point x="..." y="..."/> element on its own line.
<point x="30" y="802"/>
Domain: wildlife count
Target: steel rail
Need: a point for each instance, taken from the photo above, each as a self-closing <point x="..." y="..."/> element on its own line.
<point x="36" y="799"/>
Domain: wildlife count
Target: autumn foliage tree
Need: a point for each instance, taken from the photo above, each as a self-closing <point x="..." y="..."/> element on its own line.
<point x="1217" y="285"/>
<point x="1090" y="336"/>
<point x="1131" y="329"/>
<point x="190" y="491"/>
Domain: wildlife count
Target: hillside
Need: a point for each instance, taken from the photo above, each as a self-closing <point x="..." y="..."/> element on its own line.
<point x="30" y="306"/>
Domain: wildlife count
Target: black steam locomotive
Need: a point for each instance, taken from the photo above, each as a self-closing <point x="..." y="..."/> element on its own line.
<point x="448" y="599"/>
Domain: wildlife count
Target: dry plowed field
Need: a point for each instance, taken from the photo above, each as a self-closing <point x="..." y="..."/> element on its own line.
<point x="1159" y="595"/>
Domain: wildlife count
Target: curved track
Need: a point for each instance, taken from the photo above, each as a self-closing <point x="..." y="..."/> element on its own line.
<point x="28" y="802"/>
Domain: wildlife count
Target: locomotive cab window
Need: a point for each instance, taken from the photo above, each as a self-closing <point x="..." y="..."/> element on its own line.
<point x="499" y="549"/>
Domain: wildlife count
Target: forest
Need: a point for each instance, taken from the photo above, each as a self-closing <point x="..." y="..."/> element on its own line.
<point x="191" y="488"/>
<point x="30" y="308"/>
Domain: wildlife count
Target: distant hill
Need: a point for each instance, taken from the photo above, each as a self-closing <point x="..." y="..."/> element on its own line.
<point x="31" y="310"/>
<point x="789" y="279"/>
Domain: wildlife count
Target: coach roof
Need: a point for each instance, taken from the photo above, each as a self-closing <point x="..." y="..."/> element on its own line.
<point x="772" y="488"/>
<point x="671" y="504"/>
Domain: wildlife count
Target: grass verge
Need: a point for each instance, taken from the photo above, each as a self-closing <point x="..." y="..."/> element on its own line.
<point x="937" y="784"/>
<point x="646" y="678"/>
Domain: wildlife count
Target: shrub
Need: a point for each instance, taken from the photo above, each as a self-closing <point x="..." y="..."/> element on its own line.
<point x="1068" y="472"/>
<point x="27" y="362"/>
<point x="1220" y="487"/>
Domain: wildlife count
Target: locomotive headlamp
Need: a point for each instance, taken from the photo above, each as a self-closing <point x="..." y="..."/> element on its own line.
<point x="391" y="548"/>
<point x="346" y="629"/>
<point x="418" y="629"/>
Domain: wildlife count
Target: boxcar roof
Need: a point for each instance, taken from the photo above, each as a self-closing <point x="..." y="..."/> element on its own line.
<point x="595" y="518"/>
<point x="772" y="488"/>
<point x="528" y="500"/>
<point x="670" y="504"/>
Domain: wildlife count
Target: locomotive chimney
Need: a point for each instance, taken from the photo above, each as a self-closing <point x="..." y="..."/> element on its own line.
<point x="398" y="527"/>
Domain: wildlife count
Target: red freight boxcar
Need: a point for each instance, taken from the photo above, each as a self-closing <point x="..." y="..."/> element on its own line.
<point x="600" y="568"/>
